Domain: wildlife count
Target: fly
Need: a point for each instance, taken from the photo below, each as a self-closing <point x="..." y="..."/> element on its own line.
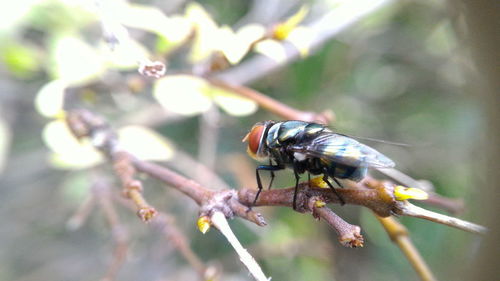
<point x="313" y="148"/>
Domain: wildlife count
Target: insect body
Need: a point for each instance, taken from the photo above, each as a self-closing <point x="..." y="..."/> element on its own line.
<point x="313" y="148"/>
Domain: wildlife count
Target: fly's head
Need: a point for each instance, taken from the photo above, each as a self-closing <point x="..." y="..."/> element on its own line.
<point x="256" y="138"/>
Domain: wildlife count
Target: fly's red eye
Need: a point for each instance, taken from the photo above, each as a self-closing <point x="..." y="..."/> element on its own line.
<point x="254" y="138"/>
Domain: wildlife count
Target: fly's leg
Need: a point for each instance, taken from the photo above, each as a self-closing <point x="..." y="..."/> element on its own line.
<point x="297" y="177"/>
<point x="259" y="181"/>
<point x="342" y="201"/>
<point x="325" y="179"/>
<point x="337" y="182"/>
<point x="272" y="175"/>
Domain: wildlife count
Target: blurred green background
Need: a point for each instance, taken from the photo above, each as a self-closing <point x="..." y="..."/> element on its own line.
<point x="400" y="74"/>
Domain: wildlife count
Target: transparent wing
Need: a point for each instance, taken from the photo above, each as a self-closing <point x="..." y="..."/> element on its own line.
<point x="343" y="150"/>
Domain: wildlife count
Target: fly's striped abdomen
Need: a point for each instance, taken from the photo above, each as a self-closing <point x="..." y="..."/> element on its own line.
<point x="336" y="170"/>
<point x="343" y="150"/>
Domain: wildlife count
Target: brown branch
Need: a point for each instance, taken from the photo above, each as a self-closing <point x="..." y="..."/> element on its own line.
<point x="274" y="106"/>
<point x="225" y="200"/>
<point x="132" y="188"/>
<point x="190" y="188"/>
<point x="83" y="123"/>
<point x="380" y="200"/>
<point x="399" y="235"/>
<point x="349" y="235"/>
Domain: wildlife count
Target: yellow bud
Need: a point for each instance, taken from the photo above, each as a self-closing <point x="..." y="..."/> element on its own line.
<point x="319" y="203"/>
<point x="203" y="224"/>
<point x="282" y="30"/>
<point x="403" y="193"/>
<point x="319" y="182"/>
<point x="61" y="115"/>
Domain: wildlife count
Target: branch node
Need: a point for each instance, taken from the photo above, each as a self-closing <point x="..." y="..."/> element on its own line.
<point x="219" y="201"/>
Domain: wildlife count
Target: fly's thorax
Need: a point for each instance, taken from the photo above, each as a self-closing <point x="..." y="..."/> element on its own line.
<point x="283" y="135"/>
<point x="291" y="132"/>
<point x="272" y="140"/>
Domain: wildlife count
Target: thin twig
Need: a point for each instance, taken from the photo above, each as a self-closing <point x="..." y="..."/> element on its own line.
<point x="349" y="235"/>
<point x="226" y="200"/>
<point x="132" y="188"/>
<point x="399" y="235"/>
<point x="219" y="221"/>
<point x="273" y="105"/>
<point x="83" y="123"/>
<point x="191" y="188"/>
<point x="82" y="213"/>
<point x="408" y="209"/>
<point x="118" y="231"/>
